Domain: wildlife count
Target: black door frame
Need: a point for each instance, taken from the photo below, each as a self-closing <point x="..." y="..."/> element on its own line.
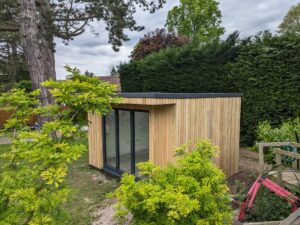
<point x="107" y="168"/>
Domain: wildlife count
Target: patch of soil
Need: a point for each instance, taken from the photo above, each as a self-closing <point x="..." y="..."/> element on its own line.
<point x="240" y="183"/>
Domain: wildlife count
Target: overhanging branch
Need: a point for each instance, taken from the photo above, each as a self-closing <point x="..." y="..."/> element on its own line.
<point x="9" y="26"/>
<point x="9" y="29"/>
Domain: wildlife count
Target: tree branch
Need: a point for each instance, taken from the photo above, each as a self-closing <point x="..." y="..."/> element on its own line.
<point x="9" y="29"/>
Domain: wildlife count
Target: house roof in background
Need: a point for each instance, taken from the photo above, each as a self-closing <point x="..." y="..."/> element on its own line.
<point x="113" y="80"/>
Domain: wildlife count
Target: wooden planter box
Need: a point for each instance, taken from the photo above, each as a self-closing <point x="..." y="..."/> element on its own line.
<point x="264" y="223"/>
<point x="5" y="115"/>
<point x="292" y="219"/>
<point x="257" y="223"/>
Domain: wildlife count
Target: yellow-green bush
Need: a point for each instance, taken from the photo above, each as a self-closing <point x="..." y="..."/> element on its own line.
<point x="191" y="191"/>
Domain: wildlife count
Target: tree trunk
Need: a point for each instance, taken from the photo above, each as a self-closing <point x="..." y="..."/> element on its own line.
<point x="37" y="50"/>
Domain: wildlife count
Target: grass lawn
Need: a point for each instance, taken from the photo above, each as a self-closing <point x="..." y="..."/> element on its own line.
<point x="3" y="149"/>
<point x="88" y="188"/>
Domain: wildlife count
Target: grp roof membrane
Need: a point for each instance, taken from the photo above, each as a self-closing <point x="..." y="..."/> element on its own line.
<point x="161" y="95"/>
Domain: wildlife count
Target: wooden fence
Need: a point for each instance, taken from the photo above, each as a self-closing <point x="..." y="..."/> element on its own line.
<point x="5" y="115"/>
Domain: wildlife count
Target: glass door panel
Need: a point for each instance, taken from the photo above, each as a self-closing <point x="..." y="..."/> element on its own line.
<point x="110" y="140"/>
<point x="125" y="140"/>
<point x="141" y="139"/>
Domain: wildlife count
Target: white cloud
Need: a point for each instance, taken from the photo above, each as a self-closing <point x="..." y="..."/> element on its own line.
<point x="88" y="52"/>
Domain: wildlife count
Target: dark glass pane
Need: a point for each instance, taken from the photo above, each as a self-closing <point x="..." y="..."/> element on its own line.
<point x="141" y="137"/>
<point x="110" y="137"/>
<point x="125" y="141"/>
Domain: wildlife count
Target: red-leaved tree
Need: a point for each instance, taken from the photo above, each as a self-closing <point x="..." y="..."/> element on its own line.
<point x="157" y="40"/>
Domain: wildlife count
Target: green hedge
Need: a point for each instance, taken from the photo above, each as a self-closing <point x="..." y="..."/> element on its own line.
<point x="268" y="73"/>
<point x="265" y="69"/>
<point x="186" y="69"/>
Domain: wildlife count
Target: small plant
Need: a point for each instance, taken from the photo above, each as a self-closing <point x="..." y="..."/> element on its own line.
<point x="268" y="207"/>
<point x="286" y="132"/>
<point x="191" y="191"/>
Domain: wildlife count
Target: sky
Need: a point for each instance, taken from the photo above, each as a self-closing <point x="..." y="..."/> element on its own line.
<point x="93" y="53"/>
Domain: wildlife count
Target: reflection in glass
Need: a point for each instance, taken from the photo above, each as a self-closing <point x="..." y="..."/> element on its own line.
<point x="110" y="136"/>
<point x="141" y="126"/>
<point x="125" y="141"/>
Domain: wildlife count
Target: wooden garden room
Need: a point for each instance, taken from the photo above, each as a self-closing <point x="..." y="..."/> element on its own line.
<point x="149" y="126"/>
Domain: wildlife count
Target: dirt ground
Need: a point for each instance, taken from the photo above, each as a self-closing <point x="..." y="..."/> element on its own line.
<point x="249" y="170"/>
<point x="240" y="183"/>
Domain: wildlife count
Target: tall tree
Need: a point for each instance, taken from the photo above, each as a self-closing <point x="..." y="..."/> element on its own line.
<point x="39" y="21"/>
<point x="291" y="22"/>
<point x="197" y="19"/>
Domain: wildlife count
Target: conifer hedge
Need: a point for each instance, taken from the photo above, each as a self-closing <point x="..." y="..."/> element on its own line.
<point x="265" y="68"/>
<point x="267" y="72"/>
<point x="185" y="69"/>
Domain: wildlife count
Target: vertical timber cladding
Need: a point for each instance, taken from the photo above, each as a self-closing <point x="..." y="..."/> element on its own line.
<point x="162" y="134"/>
<point x="95" y="140"/>
<point x="216" y="119"/>
<point x="174" y="122"/>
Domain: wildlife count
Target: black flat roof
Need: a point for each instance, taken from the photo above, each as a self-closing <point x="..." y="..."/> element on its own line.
<point x="176" y="95"/>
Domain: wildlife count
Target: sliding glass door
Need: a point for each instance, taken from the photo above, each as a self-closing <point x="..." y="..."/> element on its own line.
<point x="125" y="144"/>
<point x="110" y="137"/>
<point x="126" y="140"/>
<point x="141" y="137"/>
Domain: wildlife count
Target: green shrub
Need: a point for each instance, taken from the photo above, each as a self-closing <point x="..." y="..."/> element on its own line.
<point x="24" y="84"/>
<point x="284" y="133"/>
<point x="268" y="207"/>
<point x="191" y="191"/>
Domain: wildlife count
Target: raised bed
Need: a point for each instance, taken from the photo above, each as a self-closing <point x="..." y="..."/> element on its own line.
<point x="264" y="223"/>
<point x="292" y="219"/>
<point x="258" y="223"/>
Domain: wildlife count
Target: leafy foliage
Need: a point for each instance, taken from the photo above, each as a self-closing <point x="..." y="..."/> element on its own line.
<point x="24" y="84"/>
<point x="289" y="131"/>
<point x="155" y="41"/>
<point x="191" y="191"/>
<point x="67" y="19"/>
<point x="286" y="132"/>
<point x="197" y="19"/>
<point x="291" y="22"/>
<point x="268" y="207"/>
<point x="32" y="187"/>
<point x="187" y="69"/>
